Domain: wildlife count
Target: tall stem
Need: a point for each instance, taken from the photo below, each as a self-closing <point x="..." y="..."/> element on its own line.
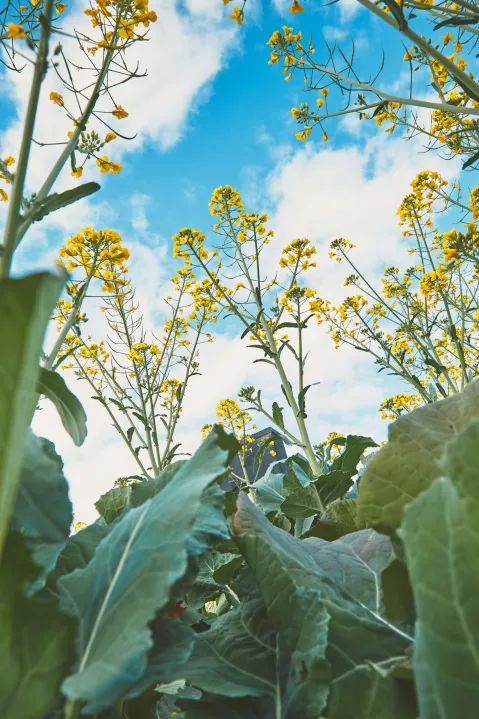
<point x="15" y="205"/>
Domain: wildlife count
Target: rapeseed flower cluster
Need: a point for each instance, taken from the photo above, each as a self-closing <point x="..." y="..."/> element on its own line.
<point x="422" y="323"/>
<point x="100" y="254"/>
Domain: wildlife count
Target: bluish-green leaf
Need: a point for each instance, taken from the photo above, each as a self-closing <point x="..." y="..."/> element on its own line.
<point x="132" y="575"/>
<point x="25" y="308"/>
<point x="36" y="640"/>
<point x="411" y="459"/>
<point x="70" y="409"/>
<point x="320" y="624"/>
<point x="42" y="511"/>
<point x="440" y="531"/>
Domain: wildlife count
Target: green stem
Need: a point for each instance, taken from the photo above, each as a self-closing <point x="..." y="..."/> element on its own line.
<point x="70" y="321"/>
<point x="71" y="710"/>
<point x="15" y="205"/>
<point x="71" y="144"/>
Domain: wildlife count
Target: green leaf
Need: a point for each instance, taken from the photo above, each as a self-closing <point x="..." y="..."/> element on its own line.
<point x="141" y="491"/>
<point x="73" y="417"/>
<point x="236" y="657"/>
<point x="410" y="461"/>
<point x="25" y="308"/>
<point x="173" y="643"/>
<point x="78" y="551"/>
<point x="213" y="707"/>
<point x="355" y="563"/>
<point x="340" y="517"/>
<point x="112" y="503"/>
<point x="269" y="492"/>
<point x="42" y="510"/>
<point x="36" y="640"/>
<point x="303" y="502"/>
<point x="319" y="624"/>
<point x="354" y="448"/>
<point x="441" y="538"/>
<point x="133" y="573"/>
<point x="278" y="415"/>
<point x="333" y="485"/>
<point x="58" y="200"/>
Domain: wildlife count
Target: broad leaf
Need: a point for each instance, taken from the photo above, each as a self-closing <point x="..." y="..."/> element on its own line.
<point x="441" y="536"/>
<point x="269" y="492"/>
<point x="354" y="447"/>
<point x="410" y="461"/>
<point x="25" y="308"/>
<point x="132" y="575"/>
<point x="78" y="551"/>
<point x="236" y="657"/>
<point x="303" y="502"/>
<point x="333" y="485"/>
<point x="73" y="417"/>
<point x="319" y="623"/>
<point x="113" y="503"/>
<point x="42" y="511"/>
<point x="36" y="640"/>
<point x="173" y="643"/>
<point x="355" y="563"/>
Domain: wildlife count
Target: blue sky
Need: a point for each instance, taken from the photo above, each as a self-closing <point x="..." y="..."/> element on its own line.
<point x="211" y="112"/>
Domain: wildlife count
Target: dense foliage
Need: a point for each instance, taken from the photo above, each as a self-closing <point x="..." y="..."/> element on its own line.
<point x="336" y="582"/>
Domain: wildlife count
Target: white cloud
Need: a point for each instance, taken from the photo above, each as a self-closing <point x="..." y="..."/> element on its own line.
<point x="320" y="192"/>
<point x="187" y="47"/>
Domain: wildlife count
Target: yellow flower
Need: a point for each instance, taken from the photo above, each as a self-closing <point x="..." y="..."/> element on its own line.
<point x="120" y="112"/>
<point x="60" y="7"/>
<point x="9" y="161"/>
<point x="237" y="15"/>
<point x="110" y="136"/>
<point x="3" y="196"/>
<point x="77" y="172"/>
<point x="303" y="134"/>
<point x="105" y="165"/>
<point x="57" y="99"/>
<point x="296" y="7"/>
<point x="15" y="31"/>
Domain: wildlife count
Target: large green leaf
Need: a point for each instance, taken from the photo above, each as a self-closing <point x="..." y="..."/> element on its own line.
<point x="36" y="640"/>
<point x="441" y="537"/>
<point x="356" y="563"/>
<point x="236" y="657"/>
<point x="42" y="510"/>
<point x="73" y="417"/>
<point x="410" y="461"/>
<point x="303" y="502"/>
<point x="172" y="645"/>
<point x="270" y="492"/>
<point x="132" y="575"/>
<point x="25" y="308"/>
<point x="77" y="552"/>
<point x="318" y="623"/>
<point x="273" y="489"/>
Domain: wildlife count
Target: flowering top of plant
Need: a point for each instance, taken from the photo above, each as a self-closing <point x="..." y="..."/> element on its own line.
<point x="423" y="324"/>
